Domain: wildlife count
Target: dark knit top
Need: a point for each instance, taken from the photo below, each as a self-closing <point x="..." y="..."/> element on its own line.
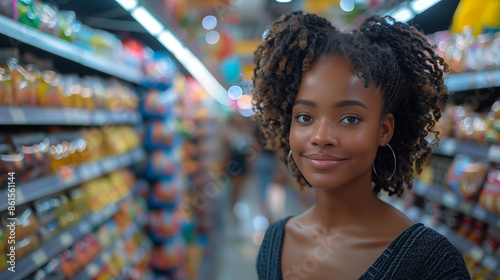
<point x="417" y="253"/>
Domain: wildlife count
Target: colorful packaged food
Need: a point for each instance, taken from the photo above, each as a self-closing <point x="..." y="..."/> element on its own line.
<point x="466" y="176"/>
<point x="6" y="86"/>
<point x="35" y="147"/>
<point x="11" y="164"/>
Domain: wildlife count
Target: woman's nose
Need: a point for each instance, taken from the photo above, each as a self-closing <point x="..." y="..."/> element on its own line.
<point x="324" y="133"/>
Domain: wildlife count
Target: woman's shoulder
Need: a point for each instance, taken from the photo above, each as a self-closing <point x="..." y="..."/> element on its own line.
<point x="425" y="239"/>
<point x="425" y="251"/>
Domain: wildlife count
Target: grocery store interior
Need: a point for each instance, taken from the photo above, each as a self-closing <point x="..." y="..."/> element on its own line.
<point x="128" y="148"/>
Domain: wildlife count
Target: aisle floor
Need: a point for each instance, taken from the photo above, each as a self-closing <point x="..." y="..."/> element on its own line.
<point x="239" y="238"/>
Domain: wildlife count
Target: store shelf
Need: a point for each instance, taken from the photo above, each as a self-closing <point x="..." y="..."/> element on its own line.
<point x="451" y="147"/>
<point x="92" y="269"/>
<point x="51" y="184"/>
<point x="472" y="80"/>
<point x="31" y="262"/>
<point x="465" y="246"/>
<point x="141" y="254"/>
<point x="68" y="50"/>
<point x="56" y="116"/>
<point x="470" y="249"/>
<point x="454" y="202"/>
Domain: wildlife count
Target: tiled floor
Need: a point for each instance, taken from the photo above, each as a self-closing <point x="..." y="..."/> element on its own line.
<point x="237" y="244"/>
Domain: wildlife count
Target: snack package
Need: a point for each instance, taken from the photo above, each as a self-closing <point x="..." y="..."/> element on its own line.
<point x="6" y="86"/>
<point x="8" y="8"/>
<point x="35" y="147"/>
<point x="489" y="198"/>
<point x="163" y="164"/>
<point x="165" y="194"/>
<point x="466" y="176"/>
<point x="48" y="14"/>
<point x="25" y="225"/>
<point x="162" y="134"/>
<point x="26" y="13"/>
<point x="158" y="104"/>
<point x="24" y="84"/>
<point x="10" y="161"/>
<point x="163" y="225"/>
<point x="27" y="245"/>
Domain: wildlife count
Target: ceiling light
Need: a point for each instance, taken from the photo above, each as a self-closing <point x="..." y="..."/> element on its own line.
<point x="194" y="66"/>
<point x="402" y="14"/>
<point x="283" y="1"/>
<point x="209" y="22"/>
<point x="127" y="4"/>
<point x="347" y="5"/>
<point x="420" y="6"/>
<point x="212" y="37"/>
<point x="235" y="92"/>
<point x="148" y="21"/>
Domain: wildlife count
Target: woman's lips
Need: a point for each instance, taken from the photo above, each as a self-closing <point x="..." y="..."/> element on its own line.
<point x="323" y="162"/>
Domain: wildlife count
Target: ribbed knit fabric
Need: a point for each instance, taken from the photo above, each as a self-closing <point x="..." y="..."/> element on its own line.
<point x="417" y="253"/>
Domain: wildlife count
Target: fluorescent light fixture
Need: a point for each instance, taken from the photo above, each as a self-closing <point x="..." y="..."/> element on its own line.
<point x="194" y="66"/>
<point x="147" y="20"/>
<point x="212" y="37"/>
<point x="235" y="92"/>
<point x="402" y="14"/>
<point x="420" y="6"/>
<point x="127" y="4"/>
<point x="209" y="22"/>
<point x="283" y="1"/>
<point x="347" y="5"/>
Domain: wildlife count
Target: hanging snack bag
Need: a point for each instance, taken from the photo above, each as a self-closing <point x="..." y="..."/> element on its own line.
<point x="490" y="195"/>
<point x="466" y="176"/>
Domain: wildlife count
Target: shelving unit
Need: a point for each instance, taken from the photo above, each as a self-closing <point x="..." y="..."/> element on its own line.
<point x="55" y="116"/>
<point x="472" y="80"/>
<point x="465" y="246"/>
<point x="93" y="268"/>
<point x="450" y="147"/>
<point x="52" y="184"/>
<point x="68" y="50"/>
<point x="62" y="241"/>
<point x="55" y="183"/>
<point x="452" y="201"/>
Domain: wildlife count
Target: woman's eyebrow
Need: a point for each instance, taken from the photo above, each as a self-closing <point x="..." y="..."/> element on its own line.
<point x="304" y="102"/>
<point x="344" y="103"/>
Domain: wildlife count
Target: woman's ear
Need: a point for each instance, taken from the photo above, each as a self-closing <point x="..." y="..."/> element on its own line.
<point x="386" y="129"/>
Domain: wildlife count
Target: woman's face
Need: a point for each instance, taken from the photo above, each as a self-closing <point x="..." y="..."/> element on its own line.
<point x="337" y="125"/>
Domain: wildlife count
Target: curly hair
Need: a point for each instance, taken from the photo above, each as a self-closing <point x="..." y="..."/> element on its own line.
<point x="394" y="57"/>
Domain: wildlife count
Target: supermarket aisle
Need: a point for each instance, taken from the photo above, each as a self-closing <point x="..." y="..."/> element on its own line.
<point x="238" y="243"/>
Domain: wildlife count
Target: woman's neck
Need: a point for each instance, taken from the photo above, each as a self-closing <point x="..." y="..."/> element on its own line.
<point x="345" y="207"/>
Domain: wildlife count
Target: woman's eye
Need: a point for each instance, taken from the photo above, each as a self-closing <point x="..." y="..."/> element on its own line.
<point x="303" y="118"/>
<point x="351" y="120"/>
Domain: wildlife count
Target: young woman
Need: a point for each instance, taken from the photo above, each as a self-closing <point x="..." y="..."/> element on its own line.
<point x="351" y="112"/>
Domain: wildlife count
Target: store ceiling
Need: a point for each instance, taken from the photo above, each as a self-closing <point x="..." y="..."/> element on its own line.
<point x="252" y="18"/>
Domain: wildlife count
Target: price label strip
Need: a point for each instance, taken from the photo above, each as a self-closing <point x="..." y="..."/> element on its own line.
<point x="86" y="172"/>
<point x="17" y="115"/>
<point x="39" y="257"/>
<point x="92" y="270"/>
<point x="476" y="253"/>
<point x="490" y="262"/>
<point x="494" y="153"/>
<point x="20" y="198"/>
<point x="449" y="200"/>
<point x="66" y="239"/>
<point x="479" y="213"/>
<point x="84" y="227"/>
<point x="449" y="147"/>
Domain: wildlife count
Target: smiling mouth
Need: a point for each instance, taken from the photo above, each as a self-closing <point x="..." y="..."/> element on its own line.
<point x="324" y="162"/>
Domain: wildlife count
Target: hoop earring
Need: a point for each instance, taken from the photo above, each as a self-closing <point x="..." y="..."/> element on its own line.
<point x="393" y="171"/>
<point x="288" y="161"/>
